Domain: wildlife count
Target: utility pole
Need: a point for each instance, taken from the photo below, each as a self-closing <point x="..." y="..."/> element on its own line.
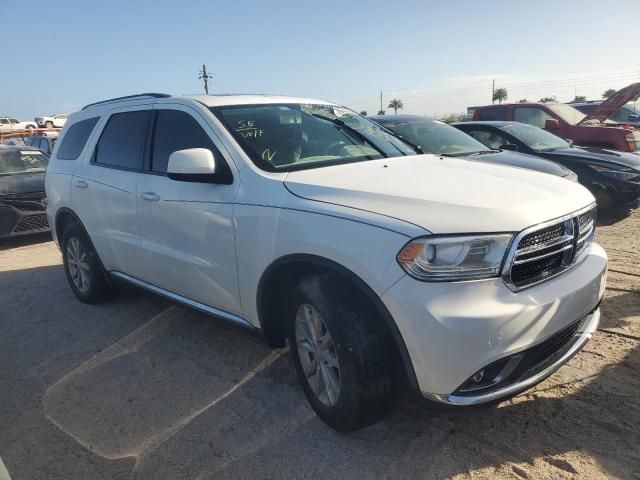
<point x="204" y="76"/>
<point x="380" y="100"/>
<point x="493" y="91"/>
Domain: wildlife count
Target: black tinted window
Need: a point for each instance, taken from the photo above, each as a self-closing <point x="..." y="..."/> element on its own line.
<point x="122" y="141"/>
<point x="75" y="138"/>
<point x="499" y="113"/>
<point x="175" y="130"/>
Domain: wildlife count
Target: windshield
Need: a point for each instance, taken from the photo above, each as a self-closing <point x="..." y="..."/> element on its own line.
<point x="22" y="161"/>
<point x="534" y="137"/>
<point x="566" y="112"/>
<point x="285" y="137"/>
<point x="436" y="137"/>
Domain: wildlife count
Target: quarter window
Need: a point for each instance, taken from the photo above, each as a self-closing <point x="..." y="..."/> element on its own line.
<point x="498" y="113"/>
<point x="531" y="115"/>
<point x="176" y="130"/>
<point x="121" y="144"/>
<point x="75" y="138"/>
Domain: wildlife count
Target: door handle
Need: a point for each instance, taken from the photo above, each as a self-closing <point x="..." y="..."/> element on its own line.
<point x="80" y="184"/>
<point x="151" y="196"/>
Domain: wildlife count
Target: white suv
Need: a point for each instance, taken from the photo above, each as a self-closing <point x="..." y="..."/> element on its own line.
<point x="383" y="269"/>
<point x="57" y="121"/>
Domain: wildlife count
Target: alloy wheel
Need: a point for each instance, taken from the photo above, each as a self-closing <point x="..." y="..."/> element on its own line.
<point x="317" y="355"/>
<point x="78" y="263"/>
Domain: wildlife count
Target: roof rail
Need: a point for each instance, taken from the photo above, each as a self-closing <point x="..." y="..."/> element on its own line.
<point x="128" y="97"/>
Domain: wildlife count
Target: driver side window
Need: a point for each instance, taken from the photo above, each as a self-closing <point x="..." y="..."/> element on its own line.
<point x="489" y="138"/>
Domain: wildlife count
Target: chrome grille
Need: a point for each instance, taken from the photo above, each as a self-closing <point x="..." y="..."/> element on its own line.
<point x="540" y="253"/>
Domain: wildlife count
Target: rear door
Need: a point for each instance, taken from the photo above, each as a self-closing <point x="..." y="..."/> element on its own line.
<point x="187" y="230"/>
<point x="104" y="189"/>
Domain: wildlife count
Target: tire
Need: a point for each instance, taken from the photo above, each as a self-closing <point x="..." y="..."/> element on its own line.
<point x="357" y="344"/>
<point x="83" y="268"/>
<point x="48" y="124"/>
<point x="30" y="127"/>
<point x="604" y="199"/>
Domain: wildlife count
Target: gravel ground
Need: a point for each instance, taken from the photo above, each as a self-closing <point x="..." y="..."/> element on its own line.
<point x="142" y="388"/>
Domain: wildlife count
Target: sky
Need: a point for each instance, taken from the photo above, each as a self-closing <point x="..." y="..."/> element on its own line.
<point x="438" y="57"/>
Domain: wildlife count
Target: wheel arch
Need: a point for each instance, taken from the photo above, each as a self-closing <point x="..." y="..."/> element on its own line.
<point x="282" y="274"/>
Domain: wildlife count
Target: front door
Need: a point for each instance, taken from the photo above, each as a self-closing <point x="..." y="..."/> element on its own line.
<point x="186" y="228"/>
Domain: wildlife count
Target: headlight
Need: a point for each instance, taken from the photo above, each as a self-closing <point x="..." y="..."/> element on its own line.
<point x="442" y="258"/>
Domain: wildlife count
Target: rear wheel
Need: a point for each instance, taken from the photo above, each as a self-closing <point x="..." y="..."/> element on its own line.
<point x="48" y="124"/>
<point x="343" y="357"/>
<point x="82" y="266"/>
<point x="30" y="127"/>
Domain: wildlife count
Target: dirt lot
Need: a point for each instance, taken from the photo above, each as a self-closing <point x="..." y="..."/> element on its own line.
<point x="142" y="388"/>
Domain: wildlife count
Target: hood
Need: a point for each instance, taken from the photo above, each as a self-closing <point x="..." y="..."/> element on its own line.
<point x="600" y="154"/>
<point x="522" y="160"/>
<point x="443" y="195"/>
<point x="21" y="183"/>
<point x="612" y="104"/>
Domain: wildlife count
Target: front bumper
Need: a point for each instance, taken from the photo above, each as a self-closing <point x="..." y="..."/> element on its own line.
<point x="453" y="330"/>
<point x="22" y="217"/>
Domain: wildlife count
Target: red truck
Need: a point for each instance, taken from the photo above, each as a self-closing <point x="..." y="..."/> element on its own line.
<point x="567" y="122"/>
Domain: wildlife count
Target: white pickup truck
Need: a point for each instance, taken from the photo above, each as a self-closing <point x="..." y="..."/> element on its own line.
<point x="9" y="124"/>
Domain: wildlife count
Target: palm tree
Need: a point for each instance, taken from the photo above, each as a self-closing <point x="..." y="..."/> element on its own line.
<point x="396" y="105"/>
<point x="381" y="112"/>
<point x="608" y="93"/>
<point x="579" y="98"/>
<point x="500" y="94"/>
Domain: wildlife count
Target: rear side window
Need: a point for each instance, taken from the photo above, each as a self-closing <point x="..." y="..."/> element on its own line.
<point x="531" y="115"/>
<point x="499" y="113"/>
<point x="75" y="138"/>
<point x="176" y="130"/>
<point x="121" y="144"/>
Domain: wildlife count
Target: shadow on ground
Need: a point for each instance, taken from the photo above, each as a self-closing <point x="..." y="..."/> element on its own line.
<point x="22" y="241"/>
<point x="141" y="388"/>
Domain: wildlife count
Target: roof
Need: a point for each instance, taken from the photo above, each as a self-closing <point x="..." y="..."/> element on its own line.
<point x="19" y="147"/>
<point x="398" y="118"/>
<point x="497" y="105"/>
<point x="491" y="123"/>
<point x="250" y="99"/>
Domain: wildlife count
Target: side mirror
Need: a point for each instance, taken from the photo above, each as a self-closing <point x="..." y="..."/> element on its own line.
<point x="509" y="146"/>
<point x="193" y="165"/>
<point x="552" y="124"/>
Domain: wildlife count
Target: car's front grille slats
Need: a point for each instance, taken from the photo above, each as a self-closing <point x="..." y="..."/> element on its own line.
<point x="32" y="223"/>
<point x="546" y="252"/>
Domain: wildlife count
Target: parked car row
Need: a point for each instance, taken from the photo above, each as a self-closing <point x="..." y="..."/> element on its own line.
<point x="592" y="129"/>
<point x="10" y="124"/>
<point x="384" y="268"/>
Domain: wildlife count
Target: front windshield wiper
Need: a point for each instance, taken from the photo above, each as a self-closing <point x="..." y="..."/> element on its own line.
<point x="352" y="131"/>
<point x="484" y="152"/>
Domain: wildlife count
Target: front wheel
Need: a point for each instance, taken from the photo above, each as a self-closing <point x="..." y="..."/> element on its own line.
<point x="30" y="127"/>
<point x="342" y="355"/>
<point x="604" y="199"/>
<point x="48" y="124"/>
